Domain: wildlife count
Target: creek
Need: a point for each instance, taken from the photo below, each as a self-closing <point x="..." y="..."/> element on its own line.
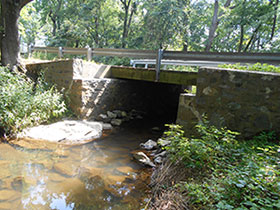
<point x="97" y="175"/>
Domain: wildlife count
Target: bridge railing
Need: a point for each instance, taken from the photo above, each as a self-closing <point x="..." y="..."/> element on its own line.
<point x="273" y="58"/>
<point x="159" y="55"/>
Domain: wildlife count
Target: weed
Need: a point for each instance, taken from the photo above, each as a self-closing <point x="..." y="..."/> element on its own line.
<point x="23" y="105"/>
<point x="233" y="175"/>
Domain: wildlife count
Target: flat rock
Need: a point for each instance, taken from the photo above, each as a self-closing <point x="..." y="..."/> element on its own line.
<point x="93" y="171"/>
<point x="66" y="132"/>
<point x="123" y="114"/>
<point x="60" y="152"/>
<point x="107" y="126"/>
<point x="48" y="164"/>
<point x="8" y="195"/>
<point x="65" y="168"/>
<point x="4" y="172"/>
<point x="111" y="115"/>
<point x="162" y="154"/>
<point x="143" y="158"/>
<point x="125" y="170"/>
<point x="163" y="142"/>
<point x="149" y="145"/>
<point x="116" y="122"/>
<point x="5" y="206"/>
<point x="56" y="177"/>
<point x="158" y="160"/>
<point x="113" y="179"/>
<point x="68" y="186"/>
<point x="157" y="129"/>
<point x="102" y="117"/>
<point x="118" y="113"/>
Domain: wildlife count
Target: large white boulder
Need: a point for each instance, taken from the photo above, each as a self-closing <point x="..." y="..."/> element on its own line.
<point x="67" y="132"/>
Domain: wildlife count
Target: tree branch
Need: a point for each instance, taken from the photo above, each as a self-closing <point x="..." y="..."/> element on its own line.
<point x="274" y="20"/>
<point x="23" y="3"/>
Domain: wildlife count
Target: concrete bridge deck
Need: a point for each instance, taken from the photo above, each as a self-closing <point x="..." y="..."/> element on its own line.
<point x="166" y="76"/>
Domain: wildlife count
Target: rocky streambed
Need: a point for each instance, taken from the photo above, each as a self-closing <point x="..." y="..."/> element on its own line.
<point x="100" y="174"/>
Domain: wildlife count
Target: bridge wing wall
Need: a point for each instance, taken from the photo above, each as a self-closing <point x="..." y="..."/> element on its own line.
<point x="243" y="101"/>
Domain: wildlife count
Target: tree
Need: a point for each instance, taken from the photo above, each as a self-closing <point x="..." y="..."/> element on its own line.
<point x="217" y="25"/>
<point x="10" y="12"/>
<point x="215" y="22"/>
<point x="29" y="26"/>
<point x="132" y="6"/>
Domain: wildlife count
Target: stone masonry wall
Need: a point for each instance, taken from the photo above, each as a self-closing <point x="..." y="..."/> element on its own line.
<point x="91" y="92"/>
<point x="155" y="99"/>
<point x="243" y="101"/>
<point x="57" y="72"/>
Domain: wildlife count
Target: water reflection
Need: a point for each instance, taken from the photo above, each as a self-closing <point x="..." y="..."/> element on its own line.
<point x="98" y="175"/>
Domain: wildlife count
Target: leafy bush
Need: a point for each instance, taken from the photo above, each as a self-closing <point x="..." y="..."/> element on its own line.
<point x="233" y="175"/>
<point x="256" y="67"/>
<point x="23" y="103"/>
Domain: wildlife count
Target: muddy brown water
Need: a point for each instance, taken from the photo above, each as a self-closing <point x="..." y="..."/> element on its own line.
<point x="97" y="175"/>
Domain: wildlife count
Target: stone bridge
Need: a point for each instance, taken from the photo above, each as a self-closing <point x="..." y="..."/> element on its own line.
<point x="248" y="102"/>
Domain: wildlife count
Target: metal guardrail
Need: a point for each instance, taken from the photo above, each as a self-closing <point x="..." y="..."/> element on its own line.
<point x="273" y="58"/>
<point x="152" y="62"/>
<point x="159" y="55"/>
<point x="144" y="54"/>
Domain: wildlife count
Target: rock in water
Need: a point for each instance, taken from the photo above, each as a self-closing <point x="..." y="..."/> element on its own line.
<point x="107" y="126"/>
<point x="103" y="117"/>
<point x="67" y="132"/>
<point x="116" y="122"/>
<point x="156" y="129"/>
<point x="111" y="115"/>
<point x="149" y="145"/>
<point x="158" y="160"/>
<point x="143" y="158"/>
<point x="163" y="142"/>
<point x="162" y="154"/>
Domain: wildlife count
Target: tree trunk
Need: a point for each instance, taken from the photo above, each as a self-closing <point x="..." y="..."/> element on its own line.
<point x="241" y="38"/>
<point x="1" y="26"/>
<point x="213" y="27"/>
<point x="55" y="18"/>
<point x="126" y="5"/>
<point x="124" y="27"/>
<point x="10" y="39"/>
<point x="274" y="20"/>
<point x="252" y="37"/>
<point x="10" y="44"/>
<point x="242" y="26"/>
<point x="186" y="19"/>
<point x="215" y="23"/>
<point x="133" y="10"/>
<point x="54" y="27"/>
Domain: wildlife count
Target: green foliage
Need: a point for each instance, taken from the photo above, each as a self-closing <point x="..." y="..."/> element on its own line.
<point x="213" y="146"/>
<point x="232" y="175"/>
<point x="171" y="24"/>
<point x="23" y="103"/>
<point x="255" y="67"/>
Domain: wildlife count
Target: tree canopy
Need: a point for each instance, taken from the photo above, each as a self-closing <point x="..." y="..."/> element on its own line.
<point x="202" y="25"/>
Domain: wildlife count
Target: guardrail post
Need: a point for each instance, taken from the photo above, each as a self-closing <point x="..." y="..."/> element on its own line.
<point x="60" y="52"/>
<point x="158" y="63"/>
<point x="30" y="50"/>
<point x="89" y="54"/>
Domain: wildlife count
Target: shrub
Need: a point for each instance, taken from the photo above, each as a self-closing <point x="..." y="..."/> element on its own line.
<point x="23" y="103"/>
<point x="255" y="67"/>
<point x="233" y="175"/>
